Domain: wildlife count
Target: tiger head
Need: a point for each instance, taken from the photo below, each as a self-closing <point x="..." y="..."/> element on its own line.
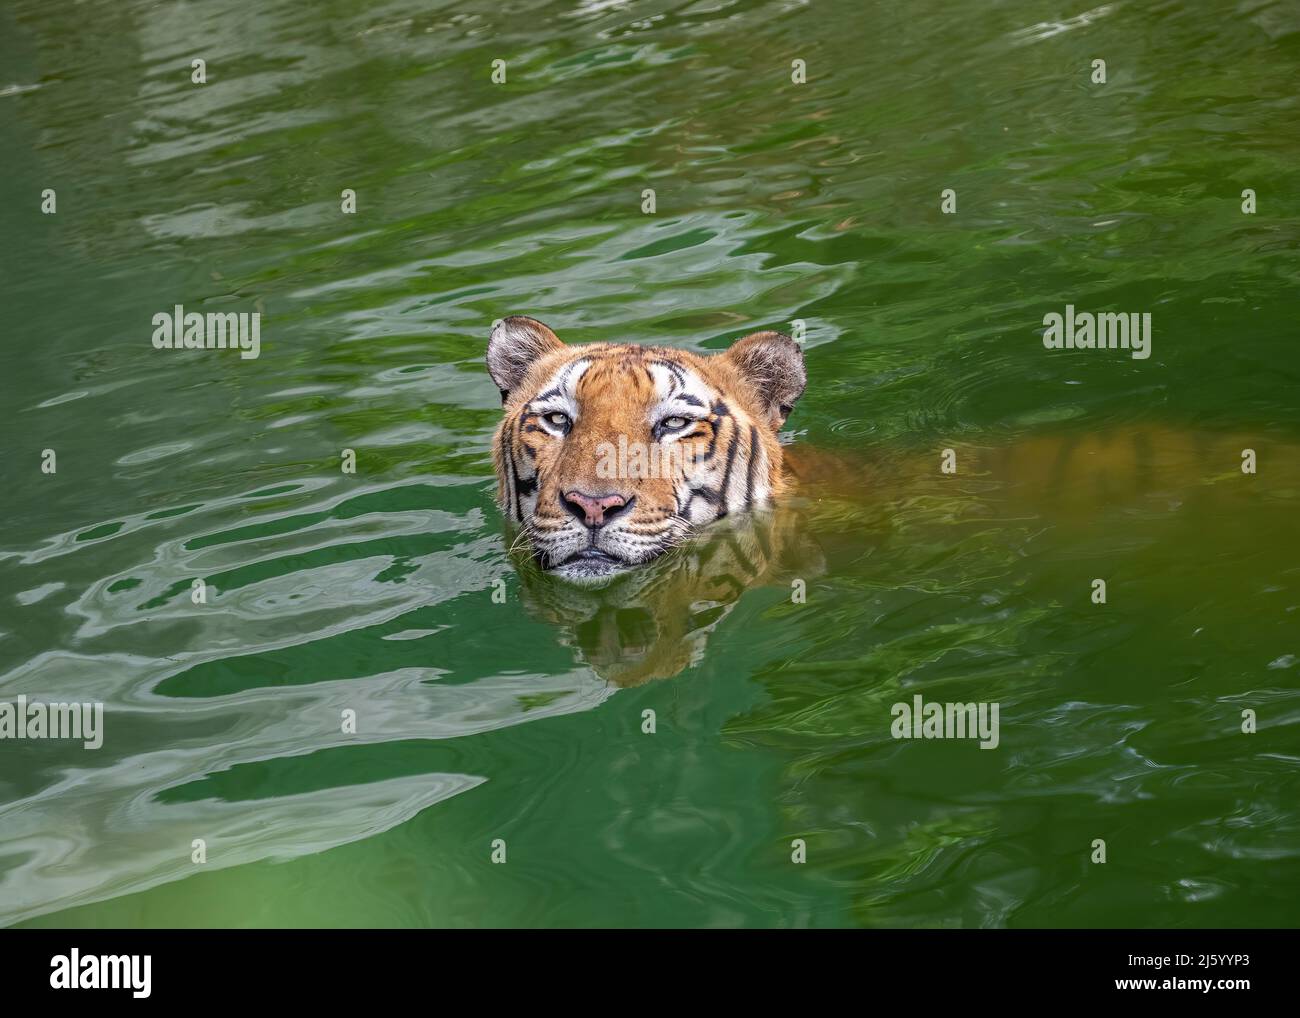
<point x="611" y="454"/>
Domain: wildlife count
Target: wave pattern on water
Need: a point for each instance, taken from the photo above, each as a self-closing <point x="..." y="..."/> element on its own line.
<point x="328" y="592"/>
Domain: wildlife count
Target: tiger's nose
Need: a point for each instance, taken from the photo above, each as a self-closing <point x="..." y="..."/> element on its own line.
<point x="594" y="510"/>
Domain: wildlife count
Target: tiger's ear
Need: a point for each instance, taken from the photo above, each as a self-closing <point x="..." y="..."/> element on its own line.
<point x="517" y="344"/>
<point x="772" y="363"/>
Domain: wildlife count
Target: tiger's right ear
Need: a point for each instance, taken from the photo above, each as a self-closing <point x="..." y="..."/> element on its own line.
<point x="517" y="344"/>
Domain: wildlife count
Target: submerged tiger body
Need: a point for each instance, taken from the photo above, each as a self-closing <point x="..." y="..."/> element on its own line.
<point x="610" y="455"/>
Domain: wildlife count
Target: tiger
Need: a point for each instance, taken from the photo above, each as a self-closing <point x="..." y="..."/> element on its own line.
<point x="649" y="566"/>
<point x="610" y="455"/>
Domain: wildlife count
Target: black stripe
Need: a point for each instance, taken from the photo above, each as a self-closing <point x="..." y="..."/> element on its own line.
<point x="737" y="588"/>
<point x="519" y="512"/>
<point x="744" y="559"/>
<point x="509" y="459"/>
<point x="711" y="549"/>
<point x="676" y="369"/>
<point x="704" y="457"/>
<point x="749" y="473"/>
<point x="683" y="511"/>
<point x="761" y="536"/>
<point x="568" y="370"/>
<point x="519" y="507"/>
<point x="726" y="477"/>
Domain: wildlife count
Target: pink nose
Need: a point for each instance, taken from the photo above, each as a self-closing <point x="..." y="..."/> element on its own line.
<point x="591" y="509"/>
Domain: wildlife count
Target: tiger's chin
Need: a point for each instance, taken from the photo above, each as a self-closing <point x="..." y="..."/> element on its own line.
<point x="591" y="567"/>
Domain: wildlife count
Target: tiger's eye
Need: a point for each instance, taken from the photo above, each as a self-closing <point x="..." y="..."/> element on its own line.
<point x="560" y="420"/>
<point x="674" y="423"/>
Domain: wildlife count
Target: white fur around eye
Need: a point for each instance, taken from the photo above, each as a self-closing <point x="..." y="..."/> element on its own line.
<point x="551" y="427"/>
<point x="667" y="432"/>
<point x="545" y="409"/>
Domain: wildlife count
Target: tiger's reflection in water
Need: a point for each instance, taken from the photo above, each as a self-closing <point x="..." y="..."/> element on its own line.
<point x="653" y="622"/>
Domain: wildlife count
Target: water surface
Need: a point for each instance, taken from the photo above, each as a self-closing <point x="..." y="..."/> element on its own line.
<point x="776" y="202"/>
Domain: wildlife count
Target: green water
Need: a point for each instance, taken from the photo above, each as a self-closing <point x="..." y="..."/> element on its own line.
<point x="776" y="202"/>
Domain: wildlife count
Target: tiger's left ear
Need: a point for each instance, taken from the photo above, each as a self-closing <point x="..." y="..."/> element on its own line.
<point x="772" y="363"/>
